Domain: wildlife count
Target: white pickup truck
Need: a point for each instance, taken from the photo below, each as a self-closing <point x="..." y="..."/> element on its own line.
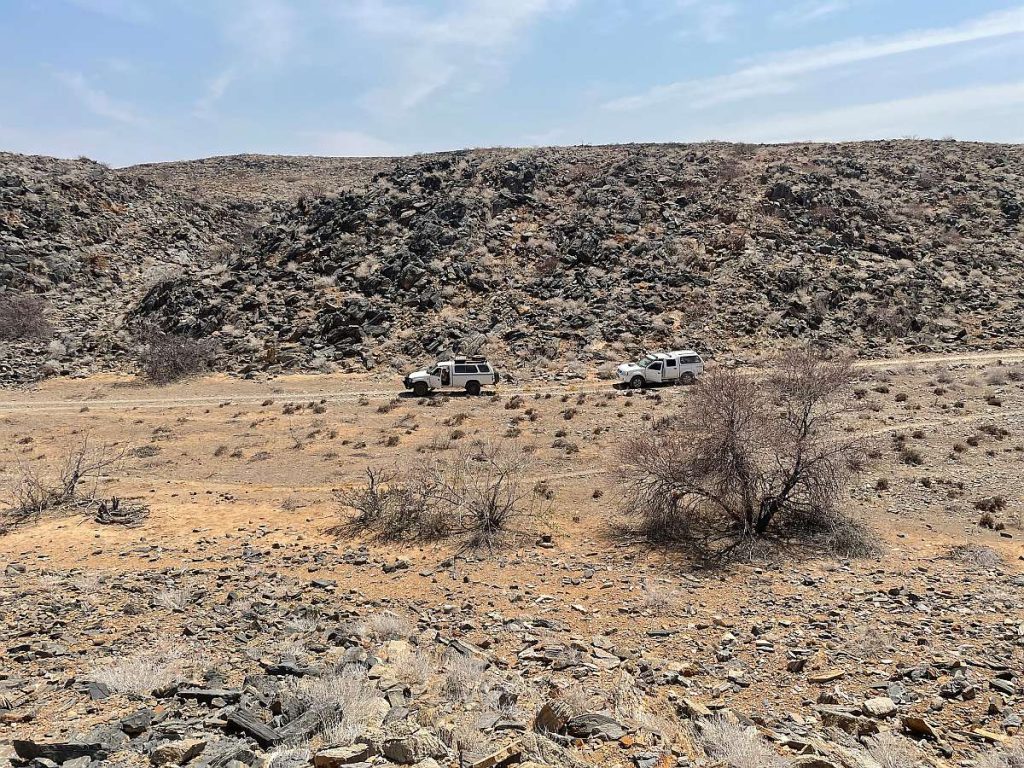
<point x="681" y="365"/>
<point x="469" y="373"/>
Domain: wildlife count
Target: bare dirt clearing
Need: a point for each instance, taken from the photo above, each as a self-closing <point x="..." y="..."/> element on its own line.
<point x="243" y="529"/>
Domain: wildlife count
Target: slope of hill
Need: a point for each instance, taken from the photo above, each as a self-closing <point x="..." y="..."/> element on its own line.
<point x="547" y="257"/>
<point x="593" y="253"/>
<point x="92" y="240"/>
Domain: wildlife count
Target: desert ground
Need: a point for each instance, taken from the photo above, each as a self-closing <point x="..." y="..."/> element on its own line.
<point x="244" y="580"/>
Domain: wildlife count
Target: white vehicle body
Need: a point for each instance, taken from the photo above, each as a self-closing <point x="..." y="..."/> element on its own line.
<point x="468" y="373"/>
<point x="681" y="365"/>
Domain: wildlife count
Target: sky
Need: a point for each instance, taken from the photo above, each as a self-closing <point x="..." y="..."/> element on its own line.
<point x="132" y="81"/>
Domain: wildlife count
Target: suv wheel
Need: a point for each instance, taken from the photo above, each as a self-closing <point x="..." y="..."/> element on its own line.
<point x="420" y="389"/>
<point x="473" y="387"/>
<point x="688" y="378"/>
<point x="637" y="382"/>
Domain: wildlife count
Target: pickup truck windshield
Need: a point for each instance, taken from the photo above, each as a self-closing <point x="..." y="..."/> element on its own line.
<point x="645" y="361"/>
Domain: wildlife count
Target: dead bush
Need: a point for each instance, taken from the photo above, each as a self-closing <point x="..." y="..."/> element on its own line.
<point x="745" y="457"/>
<point x="70" y="483"/>
<point x="346" y="703"/>
<point x="22" y="317"/>
<point x="166" y="357"/>
<point x="479" y="495"/>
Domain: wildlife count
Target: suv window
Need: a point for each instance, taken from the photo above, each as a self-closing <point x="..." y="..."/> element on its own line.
<point x="654" y="367"/>
<point x="670" y="363"/>
<point x="485" y="368"/>
<point x="690" y="360"/>
<point x="465" y="369"/>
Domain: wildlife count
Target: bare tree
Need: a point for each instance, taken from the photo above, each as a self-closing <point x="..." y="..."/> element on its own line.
<point x="745" y="456"/>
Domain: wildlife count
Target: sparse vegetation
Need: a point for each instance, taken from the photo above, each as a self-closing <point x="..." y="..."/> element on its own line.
<point x="23" y="317"/>
<point x="744" y="458"/>
<point x="736" y="746"/>
<point x="72" y="483"/>
<point x="168" y="357"/>
<point x="479" y="494"/>
<point x="141" y="673"/>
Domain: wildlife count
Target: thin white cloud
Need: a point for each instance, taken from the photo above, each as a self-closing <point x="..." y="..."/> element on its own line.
<point x="260" y="34"/>
<point x="956" y="112"/>
<point x="711" y="18"/>
<point x="810" y="11"/>
<point x="98" y="101"/>
<point x="214" y="91"/>
<point x="262" y="31"/>
<point x="129" y="11"/>
<point x="783" y="72"/>
<point x="349" y="144"/>
<point x="434" y="51"/>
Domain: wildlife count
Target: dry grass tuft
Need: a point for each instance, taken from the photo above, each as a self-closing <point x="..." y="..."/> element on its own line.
<point x="737" y="746"/>
<point x="462" y="675"/>
<point x="141" y="673"/>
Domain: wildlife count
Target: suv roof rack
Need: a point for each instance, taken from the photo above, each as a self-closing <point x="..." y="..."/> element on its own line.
<point x="471" y="359"/>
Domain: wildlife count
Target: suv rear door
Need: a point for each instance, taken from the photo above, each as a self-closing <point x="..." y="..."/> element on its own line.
<point x="486" y="374"/>
<point x="463" y="373"/>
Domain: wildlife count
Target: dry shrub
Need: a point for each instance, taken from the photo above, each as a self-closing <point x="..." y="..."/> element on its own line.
<point x="976" y="556"/>
<point x="411" y="666"/>
<point x="461" y="676"/>
<point x="386" y="626"/>
<point x="22" y="318"/>
<point x="891" y="751"/>
<point x="346" y="702"/>
<point x="736" y="746"/>
<point x="746" y="457"/>
<point x="167" y="357"/>
<point x="142" y="672"/>
<point x="72" y="483"/>
<point x="478" y="495"/>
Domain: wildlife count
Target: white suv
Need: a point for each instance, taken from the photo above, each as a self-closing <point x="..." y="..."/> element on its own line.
<point x="469" y="373"/>
<point x="683" y="365"/>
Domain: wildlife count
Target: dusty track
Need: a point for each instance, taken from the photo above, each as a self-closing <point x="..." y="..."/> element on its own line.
<point x="278" y="390"/>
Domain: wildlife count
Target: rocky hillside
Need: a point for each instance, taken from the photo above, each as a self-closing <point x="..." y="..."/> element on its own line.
<point x="544" y="258"/>
<point x="92" y="241"/>
<point x="587" y="254"/>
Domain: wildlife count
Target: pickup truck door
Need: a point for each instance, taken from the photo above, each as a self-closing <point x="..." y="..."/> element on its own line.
<point x="654" y="372"/>
<point x="671" y="370"/>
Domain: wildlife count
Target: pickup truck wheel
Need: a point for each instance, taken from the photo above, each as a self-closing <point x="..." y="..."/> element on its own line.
<point x="637" y="382"/>
<point x="420" y="389"/>
<point x="688" y="378"/>
<point x="473" y="388"/>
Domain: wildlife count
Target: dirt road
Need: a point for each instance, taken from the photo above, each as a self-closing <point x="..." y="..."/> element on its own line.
<point x="338" y="388"/>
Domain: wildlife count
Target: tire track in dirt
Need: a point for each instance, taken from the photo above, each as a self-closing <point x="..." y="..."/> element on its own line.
<point x="587" y="386"/>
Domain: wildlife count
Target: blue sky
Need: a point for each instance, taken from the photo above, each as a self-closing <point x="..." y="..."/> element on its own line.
<point x="129" y="81"/>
